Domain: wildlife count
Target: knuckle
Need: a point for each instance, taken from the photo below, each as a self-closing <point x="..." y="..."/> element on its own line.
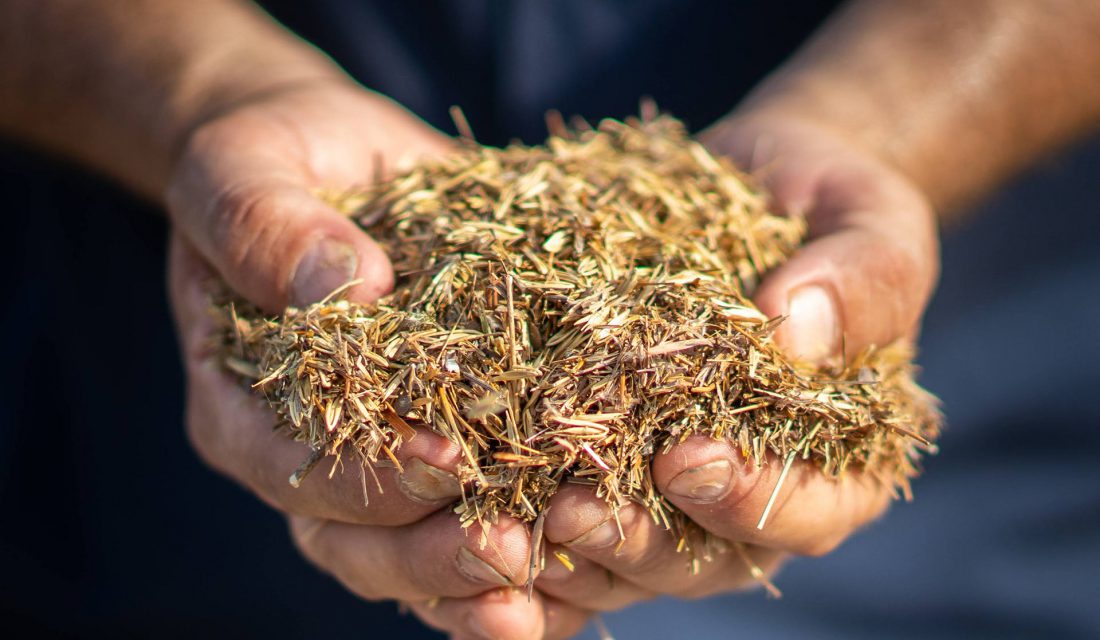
<point x="305" y="533"/>
<point x="644" y="558"/>
<point x="216" y="447"/>
<point x="308" y="536"/>
<point x="240" y="219"/>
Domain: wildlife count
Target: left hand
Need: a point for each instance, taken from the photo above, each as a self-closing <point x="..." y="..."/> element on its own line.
<point x="863" y="278"/>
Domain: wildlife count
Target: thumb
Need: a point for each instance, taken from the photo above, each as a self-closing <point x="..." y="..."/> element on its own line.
<point x="256" y="221"/>
<point x="867" y="272"/>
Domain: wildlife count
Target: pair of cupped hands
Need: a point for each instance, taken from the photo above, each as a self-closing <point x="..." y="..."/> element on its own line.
<point x="243" y="205"/>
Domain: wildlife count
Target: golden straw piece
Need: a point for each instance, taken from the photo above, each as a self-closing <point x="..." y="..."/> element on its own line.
<point x="564" y="311"/>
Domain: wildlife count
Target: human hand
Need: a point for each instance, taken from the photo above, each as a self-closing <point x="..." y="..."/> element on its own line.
<point x="385" y="536"/>
<point x="242" y="200"/>
<point x="863" y="278"/>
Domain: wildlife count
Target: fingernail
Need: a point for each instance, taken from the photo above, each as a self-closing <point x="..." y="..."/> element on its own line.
<point x="811" y="330"/>
<point x="706" y="483"/>
<point x="477" y="570"/>
<point x="602" y="535"/>
<point x="325" y="267"/>
<point x="424" y="483"/>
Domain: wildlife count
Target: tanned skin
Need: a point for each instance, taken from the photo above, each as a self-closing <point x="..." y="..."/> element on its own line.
<point x="891" y="112"/>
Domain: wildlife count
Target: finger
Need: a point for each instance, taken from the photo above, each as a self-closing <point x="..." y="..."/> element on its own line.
<point x="727" y="495"/>
<point x="504" y="614"/>
<point x="267" y="235"/>
<point x="645" y="553"/>
<point x="847" y="291"/>
<point x="231" y="429"/>
<point x="871" y="261"/>
<point x="574" y="579"/>
<point x="242" y="194"/>
<point x="435" y="557"/>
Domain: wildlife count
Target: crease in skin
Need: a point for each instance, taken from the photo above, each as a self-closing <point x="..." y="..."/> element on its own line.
<point x="604" y="535"/>
<point x="488" y="542"/>
<point x="308" y="531"/>
<point x="477" y="570"/>
<point x="600" y="536"/>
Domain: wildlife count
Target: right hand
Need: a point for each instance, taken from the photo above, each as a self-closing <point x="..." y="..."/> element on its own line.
<point x="242" y="204"/>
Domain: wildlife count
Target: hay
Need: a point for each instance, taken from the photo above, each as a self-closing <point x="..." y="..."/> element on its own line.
<point x="563" y="312"/>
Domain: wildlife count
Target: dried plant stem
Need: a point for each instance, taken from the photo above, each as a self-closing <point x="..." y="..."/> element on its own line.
<point x="564" y="312"/>
<point x="775" y="491"/>
<point x="756" y="572"/>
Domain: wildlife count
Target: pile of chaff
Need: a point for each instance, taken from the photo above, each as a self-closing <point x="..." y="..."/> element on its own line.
<point x="564" y="311"/>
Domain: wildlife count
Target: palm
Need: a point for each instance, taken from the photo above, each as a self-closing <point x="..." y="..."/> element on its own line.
<point x="872" y="234"/>
<point x="244" y="200"/>
<point x="871" y="252"/>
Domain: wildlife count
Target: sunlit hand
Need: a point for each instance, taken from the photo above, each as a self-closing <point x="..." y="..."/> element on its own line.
<point x="863" y="278"/>
<point x="244" y="206"/>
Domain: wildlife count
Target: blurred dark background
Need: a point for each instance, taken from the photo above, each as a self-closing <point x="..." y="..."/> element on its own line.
<point x="111" y="525"/>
